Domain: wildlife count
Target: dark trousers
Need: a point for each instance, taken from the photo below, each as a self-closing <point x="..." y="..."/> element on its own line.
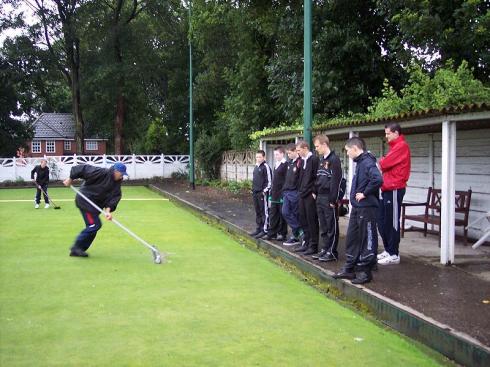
<point x="389" y="219"/>
<point x="87" y="236"/>
<point x="309" y="220"/>
<point x="38" y="193"/>
<point x="329" y="225"/>
<point x="277" y="224"/>
<point x="261" y="210"/>
<point x="361" y="244"/>
<point x="290" y="210"/>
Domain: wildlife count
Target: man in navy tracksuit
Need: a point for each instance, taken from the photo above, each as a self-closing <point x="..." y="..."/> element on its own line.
<point x="362" y="236"/>
<point x="327" y="187"/>
<point x="291" y="196"/>
<point x="103" y="187"/>
<point x="307" y="207"/>
<point x="40" y="176"/>
<point x="278" y="228"/>
<point x="261" y="185"/>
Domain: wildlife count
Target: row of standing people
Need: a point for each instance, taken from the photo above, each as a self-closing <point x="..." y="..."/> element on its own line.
<point x="304" y="192"/>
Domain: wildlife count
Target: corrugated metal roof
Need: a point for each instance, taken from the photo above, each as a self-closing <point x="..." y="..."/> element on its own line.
<point x="414" y="115"/>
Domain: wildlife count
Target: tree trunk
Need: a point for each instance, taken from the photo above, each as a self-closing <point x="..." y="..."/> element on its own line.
<point x="77" y="115"/>
<point x="119" y="123"/>
<point x="74" y="64"/>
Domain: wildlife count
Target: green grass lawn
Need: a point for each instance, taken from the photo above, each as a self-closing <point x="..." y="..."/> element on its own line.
<point x="214" y="304"/>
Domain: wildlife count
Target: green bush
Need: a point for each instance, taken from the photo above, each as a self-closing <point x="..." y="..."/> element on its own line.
<point x="209" y="148"/>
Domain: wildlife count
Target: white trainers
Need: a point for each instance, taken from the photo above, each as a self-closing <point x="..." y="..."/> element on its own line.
<point x="390" y="260"/>
<point x="46" y="206"/>
<point x="383" y="255"/>
<point x="36" y="206"/>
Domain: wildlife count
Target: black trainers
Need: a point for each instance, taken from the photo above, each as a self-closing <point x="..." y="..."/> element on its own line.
<point x="291" y="242"/>
<point x="323" y="252"/>
<point x="328" y="257"/>
<point x="362" y="277"/>
<point x="343" y="274"/>
<point x="76" y="252"/>
<point x="255" y="233"/>
<point x="302" y="248"/>
<point x="310" y="251"/>
<point x="271" y="236"/>
<point x="260" y="235"/>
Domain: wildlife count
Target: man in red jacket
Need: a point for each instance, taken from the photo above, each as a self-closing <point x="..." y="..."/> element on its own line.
<point x="395" y="167"/>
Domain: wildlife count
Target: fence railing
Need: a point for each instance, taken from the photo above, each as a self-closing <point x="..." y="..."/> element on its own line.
<point x="237" y="165"/>
<point x="139" y="166"/>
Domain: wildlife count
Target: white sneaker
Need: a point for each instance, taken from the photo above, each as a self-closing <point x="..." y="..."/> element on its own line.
<point x="36" y="206"/>
<point x="383" y="255"/>
<point x="390" y="260"/>
<point x="46" y="206"/>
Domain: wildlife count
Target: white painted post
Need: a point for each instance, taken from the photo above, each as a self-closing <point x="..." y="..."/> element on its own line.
<point x="15" y="168"/>
<point x="430" y="182"/>
<point x="134" y="166"/>
<point x="351" y="164"/>
<point x="74" y="159"/>
<point x="448" y="173"/>
<point x="263" y="145"/>
<point x="162" y="164"/>
<point x="104" y="160"/>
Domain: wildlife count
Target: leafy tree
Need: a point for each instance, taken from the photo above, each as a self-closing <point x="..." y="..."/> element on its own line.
<point x="448" y="86"/>
<point x="440" y="30"/>
<point x="14" y="133"/>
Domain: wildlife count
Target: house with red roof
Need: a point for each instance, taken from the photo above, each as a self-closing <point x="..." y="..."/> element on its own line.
<point x="54" y="135"/>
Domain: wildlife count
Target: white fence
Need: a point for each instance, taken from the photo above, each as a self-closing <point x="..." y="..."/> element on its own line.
<point x="139" y="166"/>
<point x="237" y="165"/>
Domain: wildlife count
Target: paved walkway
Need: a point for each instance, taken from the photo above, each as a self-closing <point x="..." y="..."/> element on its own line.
<point x="453" y="295"/>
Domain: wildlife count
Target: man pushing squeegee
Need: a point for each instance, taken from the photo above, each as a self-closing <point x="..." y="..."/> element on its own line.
<point x="100" y="192"/>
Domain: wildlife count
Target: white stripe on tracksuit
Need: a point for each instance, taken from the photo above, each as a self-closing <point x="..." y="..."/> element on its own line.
<point x="394" y="202"/>
<point x="335" y="222"/>
<point x="264" y="194"/>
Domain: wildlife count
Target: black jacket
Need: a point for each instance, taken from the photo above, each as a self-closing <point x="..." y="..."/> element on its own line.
<point x="292" y="175"/>
<point x="99" y="186"/>
<point x="42" y="177"/>
<point x="367" y="179"/>
<point x="307" y="176"/>
<point x="328" y="177"/>
<point x="278" y="180"/>
<point x="262" y="178"/>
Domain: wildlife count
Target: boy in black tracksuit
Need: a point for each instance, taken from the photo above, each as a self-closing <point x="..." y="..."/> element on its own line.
<point x="362" y="234"/>
<point x="307" y="208"/>
<point x="261" y="185"/>
<point x="41" y="179"/>
<point x="278" y="228"/>
<point x="291" y="196"/>
<point x="327" y="187"/>
<point x="103" y="187"/>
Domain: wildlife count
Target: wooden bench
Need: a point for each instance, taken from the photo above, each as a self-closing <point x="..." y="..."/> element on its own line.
<point x="433" y="203"/>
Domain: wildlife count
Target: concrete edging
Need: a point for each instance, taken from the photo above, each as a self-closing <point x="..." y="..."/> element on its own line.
<point x="455" y="345"/>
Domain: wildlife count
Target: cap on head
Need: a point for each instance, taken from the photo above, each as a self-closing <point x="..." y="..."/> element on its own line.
<point x="120" y="167"/>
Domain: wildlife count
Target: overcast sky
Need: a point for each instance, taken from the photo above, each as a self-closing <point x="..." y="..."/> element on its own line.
<point x="21" y="8"/>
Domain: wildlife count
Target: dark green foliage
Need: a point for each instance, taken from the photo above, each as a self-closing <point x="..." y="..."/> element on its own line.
<point x="248" y="66"/>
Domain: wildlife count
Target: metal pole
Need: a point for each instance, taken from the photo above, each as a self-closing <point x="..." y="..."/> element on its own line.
<point x="191" y="119"/>
<point x="307" y="83"/>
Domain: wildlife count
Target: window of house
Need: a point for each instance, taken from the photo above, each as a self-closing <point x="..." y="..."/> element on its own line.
<point x="91" y="145"/>
<point x="67" y="145"/>
<point x="36" y="146"/>
<point x="50" y="146"/>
